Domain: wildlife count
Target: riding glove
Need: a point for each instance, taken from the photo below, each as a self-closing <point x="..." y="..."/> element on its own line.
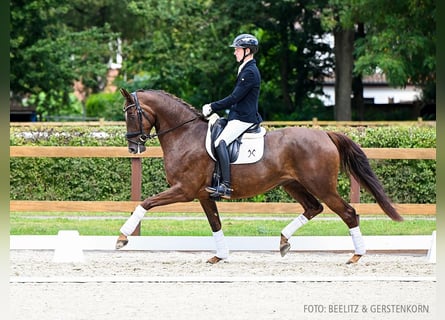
<point x="207" y="110"/>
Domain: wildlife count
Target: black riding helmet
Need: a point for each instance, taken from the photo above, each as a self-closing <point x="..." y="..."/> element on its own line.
<point x="246" y="41"/>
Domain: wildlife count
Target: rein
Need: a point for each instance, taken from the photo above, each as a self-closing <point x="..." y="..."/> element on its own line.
<point x="143" y="137"/>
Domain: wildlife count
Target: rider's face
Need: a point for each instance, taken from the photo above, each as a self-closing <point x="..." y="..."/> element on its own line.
<point x="239" y="54"/>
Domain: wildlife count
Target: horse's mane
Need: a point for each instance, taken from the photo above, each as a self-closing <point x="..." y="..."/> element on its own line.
<point x="179" y="100"/>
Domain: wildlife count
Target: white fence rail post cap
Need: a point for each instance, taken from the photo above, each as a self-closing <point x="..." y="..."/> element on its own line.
<point x="431" y="256"/>
<point x="68" y="247"/>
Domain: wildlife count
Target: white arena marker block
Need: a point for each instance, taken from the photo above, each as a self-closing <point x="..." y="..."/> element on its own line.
<point x="68" y="247"/>
<point x="431" y="256"/>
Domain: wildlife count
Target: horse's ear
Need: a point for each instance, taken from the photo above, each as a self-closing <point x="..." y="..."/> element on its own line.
<point x="126" y="95"/>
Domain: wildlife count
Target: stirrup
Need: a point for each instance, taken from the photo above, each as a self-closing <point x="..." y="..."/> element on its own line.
<point x="210" y="189"/>
<point x="223" y="191"/>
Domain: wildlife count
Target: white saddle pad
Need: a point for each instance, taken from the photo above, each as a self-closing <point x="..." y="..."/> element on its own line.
<point x="251" y="148"/>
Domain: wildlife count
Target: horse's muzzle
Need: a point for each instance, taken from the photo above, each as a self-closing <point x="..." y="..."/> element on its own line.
<point x="136" y="148"/>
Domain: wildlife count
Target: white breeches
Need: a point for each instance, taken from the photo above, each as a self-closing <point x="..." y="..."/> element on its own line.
<point x="233" y="130"/>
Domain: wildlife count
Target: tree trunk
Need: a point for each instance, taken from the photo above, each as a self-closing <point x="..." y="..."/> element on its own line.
<point x="358" y="103"/>
<point x="344" y="46"/>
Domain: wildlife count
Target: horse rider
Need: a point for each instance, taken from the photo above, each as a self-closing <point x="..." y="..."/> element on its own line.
<point x="243" y="105"/>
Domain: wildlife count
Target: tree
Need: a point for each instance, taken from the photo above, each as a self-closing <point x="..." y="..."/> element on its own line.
<point x="179" y="49"/>
<point x="397" y="37"/>
<point x="179" y="46"/>
<point x="182" y="47"/>
<point x="344" y="47"/>
<point x="185" y="49"/>
<point x="401" y="41"/>
<point x="340" y="19"/>
<point x="293" y="58"/>
<point x="47" y="56"/>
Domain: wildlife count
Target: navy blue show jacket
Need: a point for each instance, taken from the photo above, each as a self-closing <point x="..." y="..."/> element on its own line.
<point x="243" y="101"/>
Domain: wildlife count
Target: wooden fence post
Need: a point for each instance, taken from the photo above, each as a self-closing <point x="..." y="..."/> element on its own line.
<point x="136" y="186"/>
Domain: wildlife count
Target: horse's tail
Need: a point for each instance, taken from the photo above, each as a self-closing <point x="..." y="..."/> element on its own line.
<point x="355" y="162"/>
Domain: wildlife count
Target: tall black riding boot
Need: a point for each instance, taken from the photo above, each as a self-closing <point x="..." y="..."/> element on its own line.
<point x="222" y="189"/>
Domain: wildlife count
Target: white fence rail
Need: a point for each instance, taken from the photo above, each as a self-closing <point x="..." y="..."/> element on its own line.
<point x="419" y="243"/>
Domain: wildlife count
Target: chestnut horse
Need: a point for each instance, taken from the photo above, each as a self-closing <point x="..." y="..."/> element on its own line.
<point x="304" y="162"/>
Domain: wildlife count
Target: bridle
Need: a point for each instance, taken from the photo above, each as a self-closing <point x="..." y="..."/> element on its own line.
<point x="144" y="136"/>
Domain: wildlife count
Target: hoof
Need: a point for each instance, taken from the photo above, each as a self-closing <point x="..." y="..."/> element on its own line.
<point x="284" y="248"/>
<point x="121" y="242"/>
<point x="214" y="260"/>
<point x="354" y="259"/>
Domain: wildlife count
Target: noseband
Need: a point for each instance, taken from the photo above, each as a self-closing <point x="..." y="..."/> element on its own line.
<point x="143" y="137"/>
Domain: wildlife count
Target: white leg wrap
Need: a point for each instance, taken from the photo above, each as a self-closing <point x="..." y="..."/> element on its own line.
<point x="290" y="229"/>
<point x="357" y="239"/>
<point x="222" y="251"/>
<point x="132" y="222"/>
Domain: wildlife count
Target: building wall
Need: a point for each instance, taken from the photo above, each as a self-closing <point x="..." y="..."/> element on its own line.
<point x="378" y="94"/>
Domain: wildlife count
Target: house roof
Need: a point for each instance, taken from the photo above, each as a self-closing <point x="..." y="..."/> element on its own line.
<point x="378" y="79"/>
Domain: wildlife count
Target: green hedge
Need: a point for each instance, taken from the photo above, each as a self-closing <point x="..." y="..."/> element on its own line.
<point x="92" y="179"/>
<point x="105" y="105"/>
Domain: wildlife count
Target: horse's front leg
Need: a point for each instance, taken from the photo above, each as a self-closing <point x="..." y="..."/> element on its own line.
<point x="211" y="211"/>
<point x="129" y="226"/>
<point x="171" y="195"/>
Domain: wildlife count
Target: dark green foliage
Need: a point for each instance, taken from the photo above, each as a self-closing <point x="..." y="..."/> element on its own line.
<point x="406" y="181"/>
<point x="105" y="105"/>
<point x="182" y="47"/>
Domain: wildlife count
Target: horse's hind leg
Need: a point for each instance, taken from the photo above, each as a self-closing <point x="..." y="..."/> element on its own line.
<point x="311" y="207"/>
<point x="348" y="215"/>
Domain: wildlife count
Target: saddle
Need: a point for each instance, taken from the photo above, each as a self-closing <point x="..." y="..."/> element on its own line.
<point x="247" y="148"/>
<point x="232" y="148"/>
